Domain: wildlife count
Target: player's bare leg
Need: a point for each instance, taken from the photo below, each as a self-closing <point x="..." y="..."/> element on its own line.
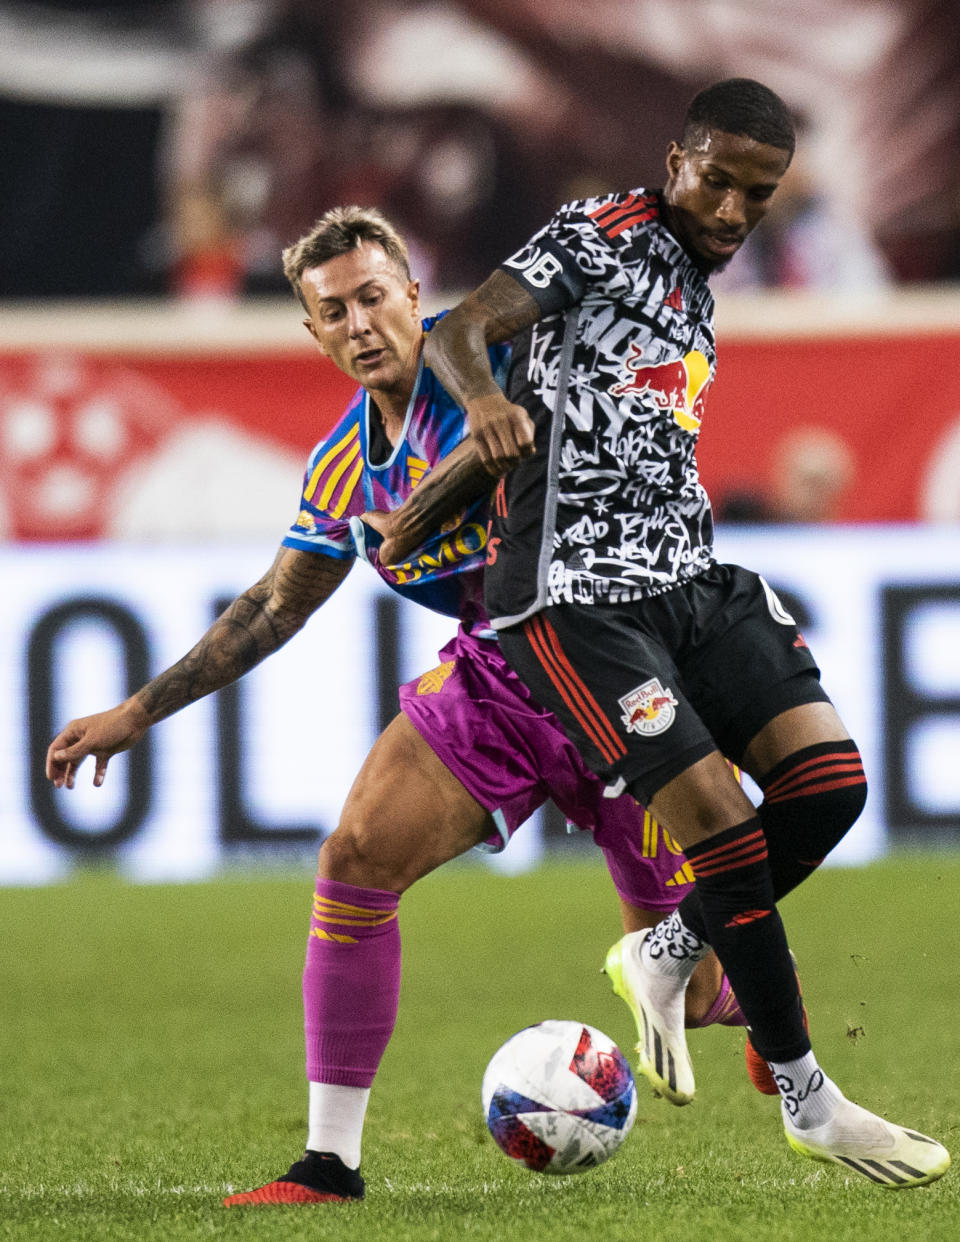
<point x="405" y="815"/>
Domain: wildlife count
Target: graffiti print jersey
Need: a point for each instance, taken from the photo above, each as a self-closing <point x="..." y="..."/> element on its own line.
<point x="355" y="468"/>
<point x="610" y="508"/>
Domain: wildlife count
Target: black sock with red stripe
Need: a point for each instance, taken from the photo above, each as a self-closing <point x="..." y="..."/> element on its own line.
<point x="810" y="801"/>
<point x="737" y="915"/>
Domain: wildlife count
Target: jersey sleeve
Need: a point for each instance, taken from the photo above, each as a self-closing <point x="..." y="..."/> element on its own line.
<point x="332" y="493"/>
<point x="572" y="252"/>
<point x="500" y="366"/>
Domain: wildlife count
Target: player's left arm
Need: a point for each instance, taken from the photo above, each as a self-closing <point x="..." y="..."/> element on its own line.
<point x="255" y="625"/>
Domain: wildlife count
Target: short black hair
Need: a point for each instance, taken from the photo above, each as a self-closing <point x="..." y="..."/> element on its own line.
<point x="740" y="106"/>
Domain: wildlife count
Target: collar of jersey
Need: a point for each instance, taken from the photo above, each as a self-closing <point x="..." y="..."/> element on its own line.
<point x="385" y="465"/>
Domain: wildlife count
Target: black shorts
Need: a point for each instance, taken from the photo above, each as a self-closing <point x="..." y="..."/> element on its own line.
<point x="645" y="689"/>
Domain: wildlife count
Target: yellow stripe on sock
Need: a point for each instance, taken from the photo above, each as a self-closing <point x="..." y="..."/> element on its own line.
<point x="342" y="905"/>
<point x="730" y="1005"/>
<point x="337" y="912"/>
<point x="339" y="937"/>
<point x="345" y="922"/>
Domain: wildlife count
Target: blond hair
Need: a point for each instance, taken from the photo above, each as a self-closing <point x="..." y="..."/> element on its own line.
<point x="338" y="231"/>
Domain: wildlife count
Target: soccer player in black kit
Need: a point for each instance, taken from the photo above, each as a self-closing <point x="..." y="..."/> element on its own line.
<point x="601" y="581"/>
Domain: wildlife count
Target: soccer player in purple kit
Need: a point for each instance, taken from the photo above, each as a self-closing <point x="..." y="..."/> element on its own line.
<point x="660" y="663"/>
<point x="470" y="756"/>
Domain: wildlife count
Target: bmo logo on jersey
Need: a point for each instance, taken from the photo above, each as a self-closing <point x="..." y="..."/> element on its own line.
<point x="538" y="267"/>
<point x="649" y="709"/>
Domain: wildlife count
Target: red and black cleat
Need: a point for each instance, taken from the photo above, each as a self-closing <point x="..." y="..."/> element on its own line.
<point x="318" y="1178"/>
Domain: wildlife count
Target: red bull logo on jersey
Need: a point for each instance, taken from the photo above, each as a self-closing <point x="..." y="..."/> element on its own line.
<point x="679" y="385"/>
<point x="649" y="709"/>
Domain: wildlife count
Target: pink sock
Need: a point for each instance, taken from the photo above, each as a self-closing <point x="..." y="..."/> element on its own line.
<point x="351" y="982"/>
<point x="725" y="1009"/>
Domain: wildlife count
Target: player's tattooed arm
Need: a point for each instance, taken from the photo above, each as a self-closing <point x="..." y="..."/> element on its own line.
<point x="453" y="484"/>
<point x="256" y="624"/>
<point x="456" y="350"/>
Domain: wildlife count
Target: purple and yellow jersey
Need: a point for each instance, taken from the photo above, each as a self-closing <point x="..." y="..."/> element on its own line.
<point x="355" y="468"/>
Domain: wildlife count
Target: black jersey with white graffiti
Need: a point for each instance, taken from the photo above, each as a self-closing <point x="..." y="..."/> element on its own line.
<point x="610" y="508"/>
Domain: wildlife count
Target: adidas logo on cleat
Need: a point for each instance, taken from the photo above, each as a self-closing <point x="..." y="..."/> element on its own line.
<point x="896" y="1173"/>
<point x="662" y="1047"/>
<point x="666" y="1071"/>
<point x="885" y="1154"/>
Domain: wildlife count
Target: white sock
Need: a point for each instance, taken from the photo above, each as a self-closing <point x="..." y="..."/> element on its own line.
<point x="335" y="1120"/>
<point x="672" y="949"/>
<point x="808" y="1097"/>
<point x="668" y="956"/>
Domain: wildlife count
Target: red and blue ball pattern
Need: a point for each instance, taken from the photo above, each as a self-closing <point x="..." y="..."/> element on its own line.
<point x="559" y="1117"/>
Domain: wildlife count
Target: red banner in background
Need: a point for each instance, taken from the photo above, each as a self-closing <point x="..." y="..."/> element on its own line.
<point x="893" y="401"/>
<point x="96" y="444"/>
<point x="127" y="443"/>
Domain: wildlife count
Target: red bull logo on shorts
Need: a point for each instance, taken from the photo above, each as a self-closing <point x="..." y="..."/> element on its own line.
<point x="649" y="709"/>
<point x="679" y="385"/>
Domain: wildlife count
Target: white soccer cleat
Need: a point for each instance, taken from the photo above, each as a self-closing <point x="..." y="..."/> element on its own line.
<point x="662" y="1046"/>
<point x="885" y="1153"/>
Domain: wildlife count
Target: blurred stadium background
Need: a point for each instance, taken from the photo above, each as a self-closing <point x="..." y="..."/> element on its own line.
<point x="158" y="394"/>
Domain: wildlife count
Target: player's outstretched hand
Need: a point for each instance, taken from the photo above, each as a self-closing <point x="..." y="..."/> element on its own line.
<point x="103" y="735"/>
<point x="503" y="432"/>
<point x="383" y="523"/>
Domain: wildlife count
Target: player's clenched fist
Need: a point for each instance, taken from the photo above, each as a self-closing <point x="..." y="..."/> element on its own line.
<point x="503" y="432"/>
<point x="103" y="735"/>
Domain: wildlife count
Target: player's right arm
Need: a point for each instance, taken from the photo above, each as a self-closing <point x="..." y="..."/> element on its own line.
<point x="255" y="625"/>
<point x="456" y="351"/>
<point x="455" y="482"/>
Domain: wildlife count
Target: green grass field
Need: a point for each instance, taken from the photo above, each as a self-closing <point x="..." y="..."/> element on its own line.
<point x="150" y="1052"/>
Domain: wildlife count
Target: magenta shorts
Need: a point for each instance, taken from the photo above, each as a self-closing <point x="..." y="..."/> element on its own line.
<point x="511" y="756"/>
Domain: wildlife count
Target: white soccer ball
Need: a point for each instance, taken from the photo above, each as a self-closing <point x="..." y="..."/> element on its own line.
<point x="559" y="1097"/>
